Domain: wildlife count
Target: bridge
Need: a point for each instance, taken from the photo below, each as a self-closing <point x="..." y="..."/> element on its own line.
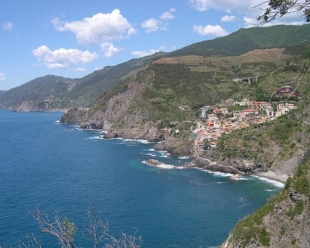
<point x="248" y="79"/>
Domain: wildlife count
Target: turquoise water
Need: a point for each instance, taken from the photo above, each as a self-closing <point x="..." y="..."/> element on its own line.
<point x="65" y="170"/>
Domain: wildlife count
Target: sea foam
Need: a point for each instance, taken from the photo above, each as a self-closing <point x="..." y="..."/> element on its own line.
<point x="275" y="183"/>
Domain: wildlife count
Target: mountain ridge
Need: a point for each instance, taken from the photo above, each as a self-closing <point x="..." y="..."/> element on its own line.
<point x="89" y="88"/>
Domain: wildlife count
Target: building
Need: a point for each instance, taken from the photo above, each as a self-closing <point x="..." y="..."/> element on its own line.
<point x="287" y="90"/>
<point x="246" y="113"/>
<point x="284" y="108"/>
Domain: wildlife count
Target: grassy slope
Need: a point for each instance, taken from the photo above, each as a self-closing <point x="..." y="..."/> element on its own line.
<point x="253" y="228"/>
<point x="39" y="89"/>
<point x="97" y="83"/>
<point x="245" y="40"/>
<point x="84" y="93"/>
<point x="289" y="132"/>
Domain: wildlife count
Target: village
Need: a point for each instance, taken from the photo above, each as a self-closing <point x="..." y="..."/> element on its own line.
<point x="215" y="121"/>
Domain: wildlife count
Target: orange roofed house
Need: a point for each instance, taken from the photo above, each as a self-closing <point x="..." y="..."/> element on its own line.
<point x="246" y="113"/>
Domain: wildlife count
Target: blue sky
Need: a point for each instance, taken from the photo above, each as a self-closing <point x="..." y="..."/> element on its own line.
<point x="72" y="38"/>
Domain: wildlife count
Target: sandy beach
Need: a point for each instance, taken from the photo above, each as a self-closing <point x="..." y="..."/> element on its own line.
<point x="274" y="176"/>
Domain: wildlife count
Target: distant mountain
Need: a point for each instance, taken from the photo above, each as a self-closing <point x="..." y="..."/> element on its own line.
<point x="98" y="82"/>
<point x="53" y="92"/>
<point x="245" y="40"/>
<point x="47" y="91"/>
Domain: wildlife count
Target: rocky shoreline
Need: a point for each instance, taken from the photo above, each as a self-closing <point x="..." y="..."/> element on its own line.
<point x="238" y="167"/>
<point x="174" y="146"/>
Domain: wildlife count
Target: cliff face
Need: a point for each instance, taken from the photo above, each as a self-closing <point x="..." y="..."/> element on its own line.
<point x="283" y="222"/>
<point x="75" y="115"/>
<point x="176" y="147"/>
<point x="117" y="115"/>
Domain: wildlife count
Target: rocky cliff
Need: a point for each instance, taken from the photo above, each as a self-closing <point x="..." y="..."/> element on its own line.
<point x="283" y="222"/>
<point x="118" y="113"/>
<point x="75" y="115"/>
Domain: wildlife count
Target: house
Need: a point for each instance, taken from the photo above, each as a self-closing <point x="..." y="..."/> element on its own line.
<point x="246" y="113"/>
<point x="212" y="117"/>
<point x="236" y="114"/>
<point x="287" y="90"/>
<point x="245" y="102"/>
<point x="284" y="108"/>
<point x="203" y="113"/>
<point x="253" y="104"/>
<point x="225" y="111"/>
<point x="203" y="110"/>
<point x="218" y="112"/>
<point x="263" y="105"/>
<point x="217" y="123"/>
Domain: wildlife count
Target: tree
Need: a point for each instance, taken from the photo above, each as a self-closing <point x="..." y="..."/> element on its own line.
<point x="96" y="232"/>
<point x="279" y="8"/>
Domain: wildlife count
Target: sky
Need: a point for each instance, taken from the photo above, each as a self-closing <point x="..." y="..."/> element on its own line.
<point x="73" y="38"/>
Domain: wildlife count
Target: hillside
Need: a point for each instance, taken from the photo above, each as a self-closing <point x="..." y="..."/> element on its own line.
<point x="158" y="98"/>
<point x="245" y="40"/>
<point x="40" y="94"/>
<point x="284" y="221"/>
<point x="97" y="83"/>
<point x="52" y="92"/>
<point x="85" y="91"/>
<point x="193" y="81"/>
<point x="170" y="91"/>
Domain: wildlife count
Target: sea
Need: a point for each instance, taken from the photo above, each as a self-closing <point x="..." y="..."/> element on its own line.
<point x="65" y="171"/>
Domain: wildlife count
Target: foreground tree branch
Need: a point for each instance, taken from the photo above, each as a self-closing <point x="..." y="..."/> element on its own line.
<point x="279" y="8"/>
<point x="96" y="232"/>
<point x="64" y="230"/>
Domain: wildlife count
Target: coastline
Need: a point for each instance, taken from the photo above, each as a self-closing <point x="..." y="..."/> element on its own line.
<point x="268" y="175"/>
<point x="271" y="175"/>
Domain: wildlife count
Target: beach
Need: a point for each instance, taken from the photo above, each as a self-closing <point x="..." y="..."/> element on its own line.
<point x="280" y="177"/>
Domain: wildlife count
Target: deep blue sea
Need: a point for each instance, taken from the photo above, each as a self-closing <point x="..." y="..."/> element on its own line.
<point x="62" y="169"/>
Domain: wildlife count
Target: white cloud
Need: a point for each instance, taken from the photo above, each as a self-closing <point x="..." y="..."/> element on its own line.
<point x="228" y="18"/>
<point x="8" y="26"/>
<point x="145" y="53"/>
<point x="153" y="25"/>
<point x="250" y="11"/>
<point x="150" y="25"/>
<point x="2" y="76"/>
<point x="80" y="69"/>
<point x="166" y="16"/>
<point x="63" y="58"/>
<point x="109" y="49"/>
<point x="98" y="28"/>
<point x="227" y="5"/>
<point x="210" y="30"/>
<point x="200" y="5"/>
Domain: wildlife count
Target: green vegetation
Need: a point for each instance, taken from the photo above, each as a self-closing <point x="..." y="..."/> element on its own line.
<point x="67" y="93"/>
<point x="245" y="40"/>
<point x="296" y="210"/>
<point x="252" y="141"/>
<point x="264" y="237"/>
<point x="283" y="136"/>
<point x="208" y="79"/>
<point x="305" y="54"/>
<point x="252" y="227"/>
